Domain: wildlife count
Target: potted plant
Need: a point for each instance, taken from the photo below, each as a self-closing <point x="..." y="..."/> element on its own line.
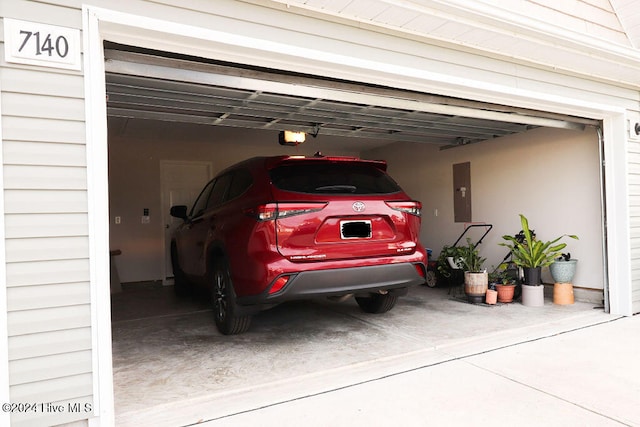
<point x="476" y="278"/>
<point x="562" y="270"/>
<point x="506" y="289"/>
<point x="451" y="274"/>
<point x="502" y="283"/>
<point x="531" y="255"/>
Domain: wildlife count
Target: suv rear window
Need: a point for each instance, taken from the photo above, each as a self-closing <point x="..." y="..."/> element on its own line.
<point x="333" y="178"/>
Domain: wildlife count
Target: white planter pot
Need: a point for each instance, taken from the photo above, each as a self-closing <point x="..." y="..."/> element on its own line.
<point x="533" y="296"/>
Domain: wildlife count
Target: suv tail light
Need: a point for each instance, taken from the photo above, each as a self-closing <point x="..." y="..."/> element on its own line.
<point x="273" y="211"/>
<point x="411" y="207"/>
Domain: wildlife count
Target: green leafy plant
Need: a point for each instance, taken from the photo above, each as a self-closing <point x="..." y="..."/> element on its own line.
<point x="471" y="259"/>
<point x="530" y="252"/>
<point x="500" y="276"/>
<point x="495" y="276"/>
<point x="443" y="267"/>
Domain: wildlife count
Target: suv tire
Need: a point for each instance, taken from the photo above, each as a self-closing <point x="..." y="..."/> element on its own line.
<point x="377" y="303"/>
<point x="224" y="304"/>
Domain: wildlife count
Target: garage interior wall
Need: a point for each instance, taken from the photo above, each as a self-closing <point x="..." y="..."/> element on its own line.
<point x="549" y="175"/>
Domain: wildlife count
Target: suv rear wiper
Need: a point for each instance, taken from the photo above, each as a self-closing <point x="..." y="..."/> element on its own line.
<point x="340" y="188"/>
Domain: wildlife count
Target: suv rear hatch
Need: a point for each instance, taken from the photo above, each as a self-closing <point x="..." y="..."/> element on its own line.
<point x="341" y="208"/>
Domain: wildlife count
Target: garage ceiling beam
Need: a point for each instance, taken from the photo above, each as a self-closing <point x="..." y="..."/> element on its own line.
<point x="314" y="111"/>
<point x="434" y="138"/>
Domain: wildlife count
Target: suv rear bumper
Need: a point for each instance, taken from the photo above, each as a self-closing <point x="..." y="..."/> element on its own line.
<point x="342" y="281"/>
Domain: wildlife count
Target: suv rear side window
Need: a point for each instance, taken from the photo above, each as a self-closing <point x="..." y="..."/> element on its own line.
<point x="333" y="178"/>
<point x="219" y="191"/>
<point x="241" y="181"/>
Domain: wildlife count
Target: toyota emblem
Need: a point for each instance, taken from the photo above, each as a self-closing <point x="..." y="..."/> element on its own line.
<point x="358" y="206"/>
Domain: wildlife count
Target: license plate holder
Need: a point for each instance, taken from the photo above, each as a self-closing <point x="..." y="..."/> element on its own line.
<point x="360" y="229"/>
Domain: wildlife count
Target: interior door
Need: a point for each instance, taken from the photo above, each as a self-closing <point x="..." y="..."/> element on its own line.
<point x="181" y="183"/>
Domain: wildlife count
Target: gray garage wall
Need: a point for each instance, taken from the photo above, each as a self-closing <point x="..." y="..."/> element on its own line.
<point x="551" y="176"/>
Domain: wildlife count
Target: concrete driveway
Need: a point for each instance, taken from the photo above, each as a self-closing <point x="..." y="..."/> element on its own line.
<point x="172" y="367"/>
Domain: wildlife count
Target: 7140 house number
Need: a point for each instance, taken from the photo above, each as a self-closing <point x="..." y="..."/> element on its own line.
<point x="60" y="47"/>
<point x="41" y="44"/>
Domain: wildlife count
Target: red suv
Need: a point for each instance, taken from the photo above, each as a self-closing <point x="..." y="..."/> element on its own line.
<point x="273" y="229"/>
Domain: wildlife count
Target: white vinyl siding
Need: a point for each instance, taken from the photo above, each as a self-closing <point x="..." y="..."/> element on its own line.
<point x="634" y="213"/>
<point x="46" y="233"/>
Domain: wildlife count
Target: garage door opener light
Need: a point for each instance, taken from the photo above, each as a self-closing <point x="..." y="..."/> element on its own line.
<point x="289" y="137"/>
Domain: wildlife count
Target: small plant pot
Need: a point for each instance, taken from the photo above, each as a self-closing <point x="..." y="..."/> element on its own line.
<point x="491" y="297"/>
<point x="563" y="271"/>
<point x="532" y="276"/>
<point x="505" y="293"/>
<point x="533" y="296"/>
<point x="563" y="294"/>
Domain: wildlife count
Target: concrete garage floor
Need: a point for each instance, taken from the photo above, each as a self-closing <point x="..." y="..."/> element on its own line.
<point x="172" y="367"/>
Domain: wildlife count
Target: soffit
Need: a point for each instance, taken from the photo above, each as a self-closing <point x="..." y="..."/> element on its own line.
<point x="596" y="38"/>
<point x="628" y="12"/>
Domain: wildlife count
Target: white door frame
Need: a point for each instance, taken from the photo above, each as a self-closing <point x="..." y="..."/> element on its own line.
<point x="100" y="24"/>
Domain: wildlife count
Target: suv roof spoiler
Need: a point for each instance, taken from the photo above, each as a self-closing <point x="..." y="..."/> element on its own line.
<point x="274" y="161"/>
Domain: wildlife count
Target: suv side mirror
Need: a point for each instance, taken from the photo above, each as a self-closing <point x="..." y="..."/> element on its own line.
<point x="179" y="211"/>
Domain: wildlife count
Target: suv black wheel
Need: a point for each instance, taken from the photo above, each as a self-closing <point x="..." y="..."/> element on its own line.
<point x="377" y="303"/>
<point x="223" y="298"/>
<point x="181" y="285"/>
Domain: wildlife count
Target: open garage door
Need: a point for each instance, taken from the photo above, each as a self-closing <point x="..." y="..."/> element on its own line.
<point x="154" y="87"/>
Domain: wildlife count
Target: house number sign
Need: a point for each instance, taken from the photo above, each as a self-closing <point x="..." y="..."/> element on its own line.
<point x="41" y="44"/>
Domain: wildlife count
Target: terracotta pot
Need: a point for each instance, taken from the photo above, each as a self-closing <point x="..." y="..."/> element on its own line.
<point x="563" y="294"/>
<point x="491" y="297"/>
<point x="505" y="292"/>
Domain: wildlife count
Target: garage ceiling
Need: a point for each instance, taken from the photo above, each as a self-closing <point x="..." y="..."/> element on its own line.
<point x="155" y="87"/>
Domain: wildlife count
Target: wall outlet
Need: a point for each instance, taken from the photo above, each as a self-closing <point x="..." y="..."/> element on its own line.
<point x="118" y="220"/>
